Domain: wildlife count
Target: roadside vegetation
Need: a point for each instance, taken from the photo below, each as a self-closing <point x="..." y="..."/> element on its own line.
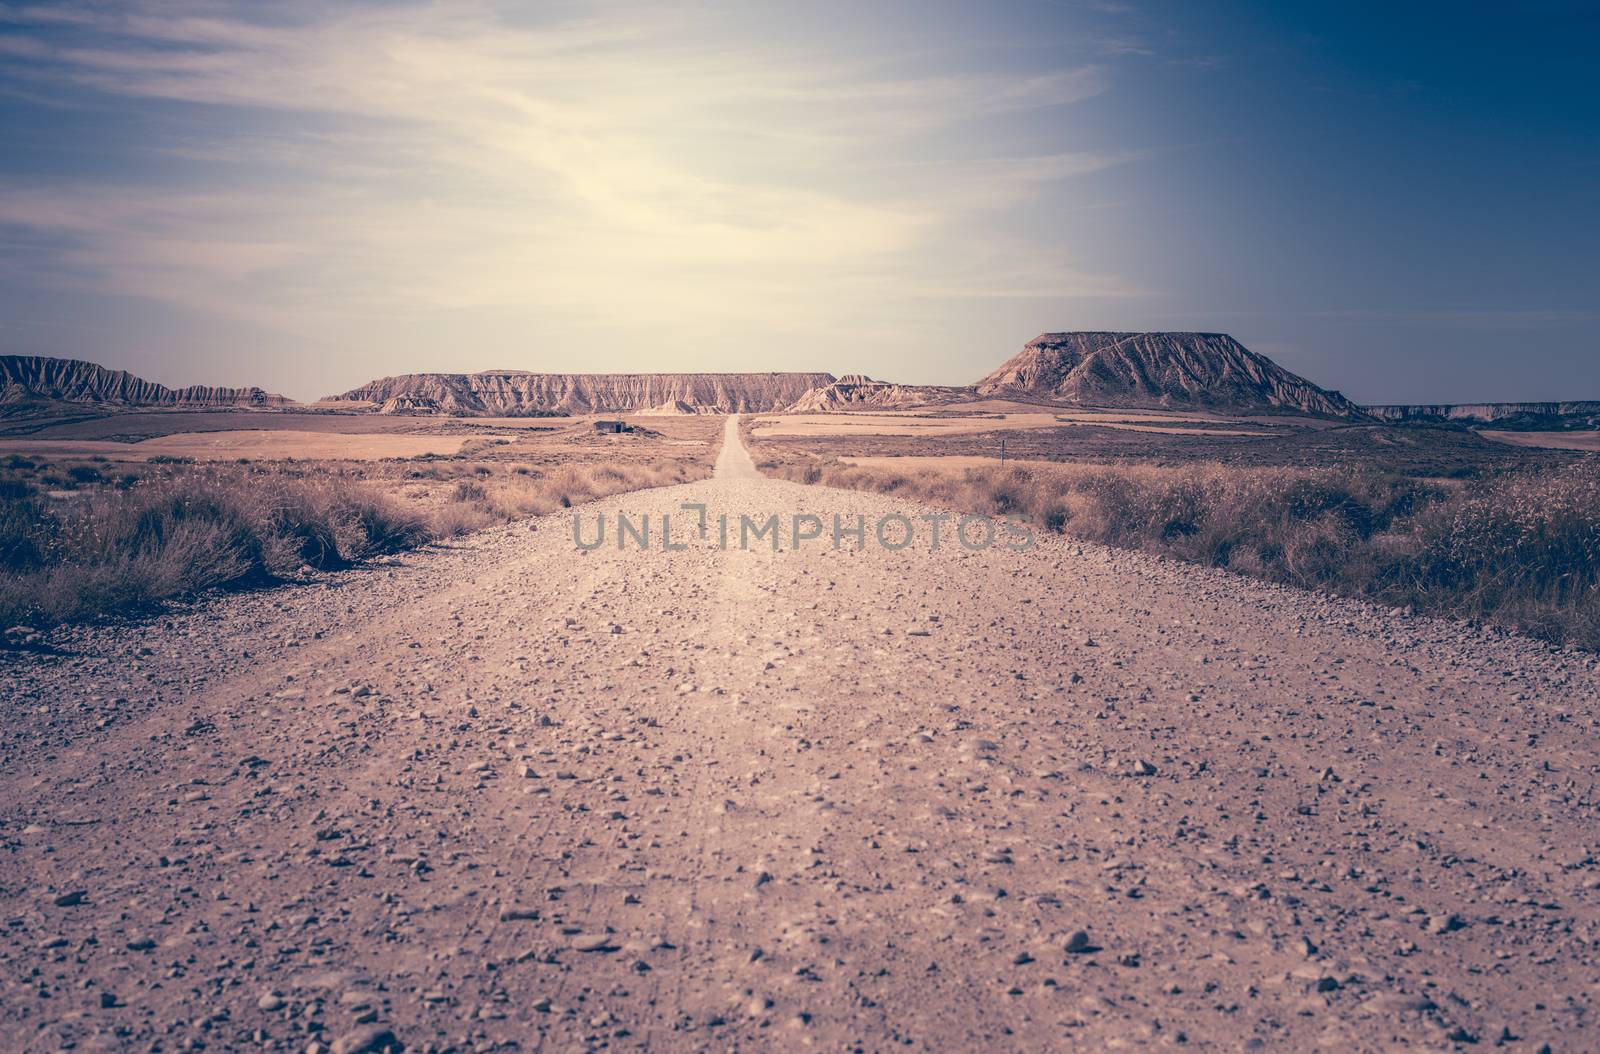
<point x="483" y="500"/>
<point x="94" y="538"/>
<point x="1519" y="547"/>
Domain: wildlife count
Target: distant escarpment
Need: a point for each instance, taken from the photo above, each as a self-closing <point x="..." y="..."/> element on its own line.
<point x="511" y="393"/>
<point x="1554" y="417"/>
<point x="856" y="391"/>
<point x="28" y="382"/>
<point x="1169" y="370"/>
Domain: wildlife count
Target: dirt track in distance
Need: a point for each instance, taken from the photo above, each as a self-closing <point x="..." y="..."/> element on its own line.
<point x="510" y="793"/>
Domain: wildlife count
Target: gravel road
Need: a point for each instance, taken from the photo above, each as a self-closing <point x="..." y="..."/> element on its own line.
<point x="511" y="794"/>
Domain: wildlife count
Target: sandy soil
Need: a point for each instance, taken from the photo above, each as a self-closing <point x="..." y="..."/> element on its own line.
<point x="1172" y="430"/>
<point x="910" y="462"/>
<point x="893" y="424"/>
<point x="336" y="438"/>
<point x="257" y="444"/>
<point x="1149" y="416"/>
<point x="1551" y="440"/>
<point x="132" y="425"/>
<point x="968" y="418"/>
<point x="507" y="794"/>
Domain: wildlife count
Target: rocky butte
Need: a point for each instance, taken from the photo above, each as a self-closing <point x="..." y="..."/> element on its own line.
<point x="856" y="391"/>
<point x="512" y="393"/>
<point x="27" y="381"/>
<point x="1178" y="370"/>
<point x="1168" y="370"/>
<point x="1555" y="416"/>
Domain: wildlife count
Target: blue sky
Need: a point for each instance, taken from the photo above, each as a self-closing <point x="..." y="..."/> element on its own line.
<point x="1400" y="201"/>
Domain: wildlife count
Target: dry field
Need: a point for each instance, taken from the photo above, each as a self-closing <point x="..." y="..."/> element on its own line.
<point x="1117" y="439"/>
<point x="994" y="416"/>
<point x="257" y="444"/>
<point x="915" y="462"/>
<point x="1431" y="519"/>
<point x="1587" y="441"/>
<point x="506" y="795"/>
<point x="96" y="526"/>
<point x="129" y="426"/>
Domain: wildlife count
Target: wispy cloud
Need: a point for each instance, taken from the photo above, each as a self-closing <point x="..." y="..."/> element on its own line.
<point x="453" y="157"/>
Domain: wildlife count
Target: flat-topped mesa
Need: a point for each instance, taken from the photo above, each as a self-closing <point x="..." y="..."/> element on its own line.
<point x="33" y="379"/>
<point x="513" y="393"/>
<point x="1553" y="416"/>
<point x="1189" y="370"/>
<point x="855" y="391"/>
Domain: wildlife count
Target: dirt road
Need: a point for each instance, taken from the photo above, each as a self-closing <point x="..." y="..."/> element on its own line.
<point x="514" y="794"/>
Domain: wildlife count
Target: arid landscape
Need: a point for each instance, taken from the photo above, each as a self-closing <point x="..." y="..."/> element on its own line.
<point x="1026" y="526"/>
<point x="330" y="727"/>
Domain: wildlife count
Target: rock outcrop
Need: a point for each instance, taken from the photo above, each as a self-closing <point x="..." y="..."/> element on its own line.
<point x="27" y="381"/>
<point x="509" y="393"/>
<point x="856" y="391"/>
<point x="1558" y="416"/>
<point x="1176" y="370"/>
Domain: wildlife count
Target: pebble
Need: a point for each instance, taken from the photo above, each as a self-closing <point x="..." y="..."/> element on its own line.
<point x="371" y="1039"/>
<point x="1444" y="923"/>
<point x="1393" y="1004"/>
<point x="1078" y="942"/>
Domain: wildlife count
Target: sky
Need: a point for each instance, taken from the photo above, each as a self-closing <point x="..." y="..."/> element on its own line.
<point x="1400" y="201"/>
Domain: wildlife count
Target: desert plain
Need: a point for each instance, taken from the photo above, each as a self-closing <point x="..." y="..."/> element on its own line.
<point x="503" y="793"/>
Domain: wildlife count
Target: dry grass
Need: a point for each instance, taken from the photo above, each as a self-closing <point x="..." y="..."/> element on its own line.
<point x="115" y="550"/>
<point x="1520" y="548"/>
<point x="478" y="502"/>
<point x="82" y="541"/>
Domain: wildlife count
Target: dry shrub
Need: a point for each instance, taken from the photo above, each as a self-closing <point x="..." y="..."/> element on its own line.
<point x="458" y="518"/>
<point x="1525" y="540"/>
<point x="1521" y="548"/>
<point x="118" y="550"/>
<point x="477" y="504"/>
<point x="469" y="490"/>
<point x="124" y="546"/>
